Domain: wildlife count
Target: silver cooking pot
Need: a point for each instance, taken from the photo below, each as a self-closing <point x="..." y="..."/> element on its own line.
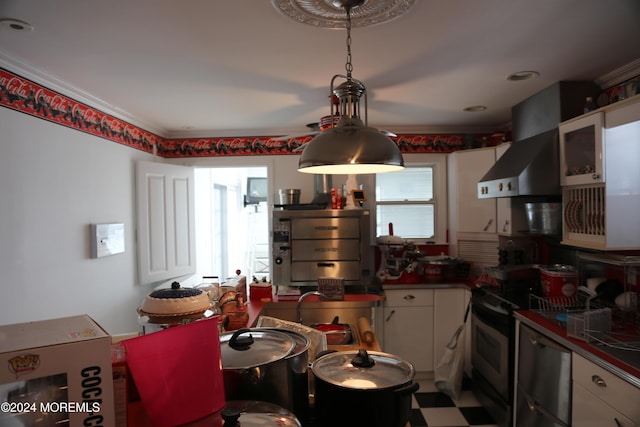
<point x="266" y="364"/>
<point x="298" y="375"/>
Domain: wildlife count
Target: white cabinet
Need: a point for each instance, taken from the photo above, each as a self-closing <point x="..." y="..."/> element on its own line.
<point x="581" y="150"/>
<point x="468" y="214"/>
<point x="602" y="399"/>
<point x="165" y="221"/>
<point x="419" y="323"/>
<point x="408" y="326"/>
<point x="600" y="216"/>
<point x="449" y="308"/>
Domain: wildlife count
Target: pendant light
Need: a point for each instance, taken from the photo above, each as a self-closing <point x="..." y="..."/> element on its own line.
<point x="351" y="146"/>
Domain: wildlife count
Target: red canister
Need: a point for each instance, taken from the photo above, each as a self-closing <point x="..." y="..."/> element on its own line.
<point x="558" y="280"/>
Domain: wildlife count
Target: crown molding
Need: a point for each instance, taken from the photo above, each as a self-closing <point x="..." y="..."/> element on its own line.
<point x="619" y="75"/>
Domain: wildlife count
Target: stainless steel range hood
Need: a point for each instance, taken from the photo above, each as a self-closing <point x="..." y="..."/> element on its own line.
<point x="528" y="168"/>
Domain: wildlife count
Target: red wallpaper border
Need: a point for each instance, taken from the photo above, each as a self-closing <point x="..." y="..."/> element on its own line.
<point x="20" y="94"/>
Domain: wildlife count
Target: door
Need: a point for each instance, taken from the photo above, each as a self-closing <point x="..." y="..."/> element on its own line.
<point x="165" y="221"/>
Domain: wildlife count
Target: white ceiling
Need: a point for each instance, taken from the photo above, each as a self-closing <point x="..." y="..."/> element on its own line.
<point x="240" y="68"/>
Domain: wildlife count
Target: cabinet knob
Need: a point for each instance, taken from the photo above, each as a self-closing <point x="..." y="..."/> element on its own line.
<point x="486" y="227"/>
<point x="409" y="297"/>
<point x="390" y="315"/>
<point x="597" y="380"/>
<point x="506" y="226"/>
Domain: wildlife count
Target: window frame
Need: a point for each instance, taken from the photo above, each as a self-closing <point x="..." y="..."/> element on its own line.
<point x="438" y="161"/>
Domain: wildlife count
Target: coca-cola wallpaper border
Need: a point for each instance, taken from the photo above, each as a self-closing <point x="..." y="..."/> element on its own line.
<point x="21" y="94"/>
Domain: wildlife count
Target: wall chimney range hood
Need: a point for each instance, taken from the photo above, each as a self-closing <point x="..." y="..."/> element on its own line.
<point x="528" y="168"/>
<point x="531" y="166"/>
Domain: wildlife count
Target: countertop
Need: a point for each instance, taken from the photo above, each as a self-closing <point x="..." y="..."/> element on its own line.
<point x="591" y="352"/>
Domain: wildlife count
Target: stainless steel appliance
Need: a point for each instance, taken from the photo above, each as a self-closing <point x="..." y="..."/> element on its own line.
<point x="544" y="381"/>
<point x="493" y="335"/>
<point x="309" y="244"/>
<point x="530" y="167"/>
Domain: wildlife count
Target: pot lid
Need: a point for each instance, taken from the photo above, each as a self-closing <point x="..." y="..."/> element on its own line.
<point x="248" y="348"/>
<point x="250" y="413"/>
<point x="175" y="291"/>
<point x="359" y="369"/>
<point x="558" y="268"/>
<point x="301" y="342"/>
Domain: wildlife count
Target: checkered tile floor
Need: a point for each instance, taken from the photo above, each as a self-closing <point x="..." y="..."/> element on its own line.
<point x="431" y="408"/>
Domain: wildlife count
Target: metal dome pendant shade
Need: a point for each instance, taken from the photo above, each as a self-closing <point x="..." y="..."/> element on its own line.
<point x="350" y="147"/>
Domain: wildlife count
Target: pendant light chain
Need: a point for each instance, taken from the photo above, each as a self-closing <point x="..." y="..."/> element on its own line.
<point x="348" y="66"/>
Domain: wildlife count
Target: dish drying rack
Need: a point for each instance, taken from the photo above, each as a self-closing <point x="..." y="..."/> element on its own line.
<point x="589" y="319"/>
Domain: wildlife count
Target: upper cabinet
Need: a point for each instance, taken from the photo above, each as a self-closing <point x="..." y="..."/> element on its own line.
<point x="467" y="213"/>
<point x="600" y="209"/>
<point x="581" y="150"/>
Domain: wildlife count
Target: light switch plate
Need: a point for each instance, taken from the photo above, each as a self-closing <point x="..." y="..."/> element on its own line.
<point x="106" y="239"/>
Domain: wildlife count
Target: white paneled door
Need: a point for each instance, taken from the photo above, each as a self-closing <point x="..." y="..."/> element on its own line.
<point x="165" y="221"/>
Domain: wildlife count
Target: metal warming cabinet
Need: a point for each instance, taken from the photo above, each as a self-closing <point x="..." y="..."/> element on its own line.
<point x="308" y="244"/>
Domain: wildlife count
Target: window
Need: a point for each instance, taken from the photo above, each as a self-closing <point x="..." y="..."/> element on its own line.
<point x="414" y="201"/>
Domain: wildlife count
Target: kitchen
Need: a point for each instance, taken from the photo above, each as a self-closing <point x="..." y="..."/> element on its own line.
<point x="65" y="280"/>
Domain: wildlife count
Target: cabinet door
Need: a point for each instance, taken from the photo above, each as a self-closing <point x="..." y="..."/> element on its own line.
<point x="612" y="390"/>
<point x="473" y="214"/>
<point x="166" y="228"/>
<point x="408" y="334"/>
<point x="589" y="411"/>
<point x="448" y="314"/>
<point x="581" y="147"/>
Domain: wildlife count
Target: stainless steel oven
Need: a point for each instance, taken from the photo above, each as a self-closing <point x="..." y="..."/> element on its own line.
<point x="493" y="335"/>
<point x="492" y="354"/>
<point x="309" y="244"/>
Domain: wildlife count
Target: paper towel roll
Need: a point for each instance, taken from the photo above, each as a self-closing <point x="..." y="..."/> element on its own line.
<point x="366" y="331"/>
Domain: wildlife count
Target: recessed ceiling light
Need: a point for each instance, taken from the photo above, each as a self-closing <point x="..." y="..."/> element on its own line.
<point x="475" y="108"/>
<point x="14" y="24"/>
<point x="522" y="75"/>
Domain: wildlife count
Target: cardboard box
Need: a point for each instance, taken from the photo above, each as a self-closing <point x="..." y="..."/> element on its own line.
<point x="56" y="372"/>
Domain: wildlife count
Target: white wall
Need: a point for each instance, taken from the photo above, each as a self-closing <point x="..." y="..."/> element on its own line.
<point x="54" y="182"/>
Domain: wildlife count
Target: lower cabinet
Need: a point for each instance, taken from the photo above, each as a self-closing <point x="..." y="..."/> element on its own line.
<point x="601" y="399"/>
<point x="419" y="323"/>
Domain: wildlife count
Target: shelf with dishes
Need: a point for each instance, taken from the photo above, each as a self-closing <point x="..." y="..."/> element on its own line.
<point x="584" y="210"/>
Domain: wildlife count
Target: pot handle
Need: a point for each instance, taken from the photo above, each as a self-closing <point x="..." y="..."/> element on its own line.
<point x="363" y="360"/>
<point x="241" y="344"/>
<point x="407" y="389"/>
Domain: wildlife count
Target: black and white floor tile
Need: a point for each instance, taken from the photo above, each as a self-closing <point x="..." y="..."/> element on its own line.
<point x="432" y="408"/>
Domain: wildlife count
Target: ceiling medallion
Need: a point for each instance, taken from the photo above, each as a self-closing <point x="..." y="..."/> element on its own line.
<point x="330" y="14"/>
